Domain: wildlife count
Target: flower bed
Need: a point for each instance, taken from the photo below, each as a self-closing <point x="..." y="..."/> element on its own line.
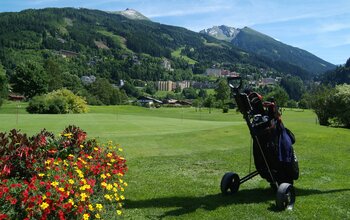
<point x="65" y="178"/>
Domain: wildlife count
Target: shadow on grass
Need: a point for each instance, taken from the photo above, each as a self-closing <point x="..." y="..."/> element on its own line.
<point x="186" y="205"/>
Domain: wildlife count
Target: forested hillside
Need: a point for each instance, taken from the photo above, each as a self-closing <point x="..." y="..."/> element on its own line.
<point x="52" y="48"/>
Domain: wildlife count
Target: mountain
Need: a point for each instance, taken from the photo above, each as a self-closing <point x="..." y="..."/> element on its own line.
<point x="68" y="43"/>
<point x="255" y="42"/>
<point x="132" y="14"/>
<point x="222" y="32"/>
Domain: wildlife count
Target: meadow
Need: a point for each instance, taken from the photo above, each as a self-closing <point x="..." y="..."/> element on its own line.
<point x="177" y="157"/>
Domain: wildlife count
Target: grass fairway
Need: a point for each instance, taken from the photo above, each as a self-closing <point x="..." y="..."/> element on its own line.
<point x="176" y="159"/>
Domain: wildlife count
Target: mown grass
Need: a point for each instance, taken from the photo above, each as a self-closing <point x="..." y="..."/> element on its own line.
<point x="177" y="157"/>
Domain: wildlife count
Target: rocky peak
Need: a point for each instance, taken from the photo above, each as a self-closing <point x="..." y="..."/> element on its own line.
<point x="132" y="14"/>
<point x="222" y="32"/>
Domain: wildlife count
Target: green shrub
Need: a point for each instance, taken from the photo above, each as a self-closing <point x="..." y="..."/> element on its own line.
<point x="60" y="101"/>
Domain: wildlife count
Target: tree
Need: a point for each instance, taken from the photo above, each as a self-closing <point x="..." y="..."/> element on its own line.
<point x="293" y="86"/>
<point x="209" y="102"/>
<point x="131" y="90"/>
<point x="189" y="93"/>
<point x="30" y="79"/>
<point x="53" y="70"/>
<point x="150" y="88"/>
<point x="319" y="103"/>
<point x="106" y="93"/>
<point x="3" y="84"/>
<point x="279" y="95"/>
<point x="202" y="93"/>
<point x="222" y="91"/>
<point x="340" y="105"/>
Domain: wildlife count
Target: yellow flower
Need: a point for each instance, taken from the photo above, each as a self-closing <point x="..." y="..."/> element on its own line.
<point x="97" y="216"/>
<point x="119" y="212"/>
<point x="55" y="183"/>
<point x="41" y="174"/>
<point x="86" y="216"/>
<point x="71" y="201"/>
<point x="81" y="146"/>
<point x="112" y="160"/>
<point x="71" y="181"/>
<point x="121" y="181"/>
<point x="65" y="163"/>
<point x="47" y="162"/>
<point x="109" y="155"/>
<point x="104" y="184"/>
<point x="125" y="184"/>
<point x="70" y="155"/>
<point x="56" y="163"/>
<point x="89" y="157"/>
<point x="120" y="149"/>
<point x="91" y="207"/>
<point x="122" y="189"/>
<point x="108" y="197"/>
<point x="68" y="135"/>
<point x="44" y="197"/>
<point x="103" y="176"/>
<point x="83" y="197"/>
<point x="44" y="205"/>
<point x="61" y="189"/>
<point x="109" y="186"/>
<point x="122" y="197"/>
<point x="95" y="148"/>
<point x="108" y="174"/>
<point x="99" y="206"/>
<point x="109" y="164"/>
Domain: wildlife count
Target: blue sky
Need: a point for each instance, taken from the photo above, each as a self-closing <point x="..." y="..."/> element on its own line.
<point x="321" y="27"/>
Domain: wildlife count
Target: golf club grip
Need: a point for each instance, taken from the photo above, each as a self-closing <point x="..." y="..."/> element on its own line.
<point x="232" y="82"/>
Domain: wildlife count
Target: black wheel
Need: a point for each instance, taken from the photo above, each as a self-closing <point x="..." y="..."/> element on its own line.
<point x="285" y="197"/>
<point x="229" y="183"/>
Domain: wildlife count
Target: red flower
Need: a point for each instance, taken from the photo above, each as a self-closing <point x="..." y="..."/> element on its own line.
<point x="3" y="216"/>
<point x="13" y="201"/>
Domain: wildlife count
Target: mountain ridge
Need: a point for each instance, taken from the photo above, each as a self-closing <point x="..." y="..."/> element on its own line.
<point x="253" y="41"/>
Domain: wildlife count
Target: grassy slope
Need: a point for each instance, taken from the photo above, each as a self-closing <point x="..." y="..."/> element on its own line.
<point x="178" y="156"/>
<point x="177" y="53"/>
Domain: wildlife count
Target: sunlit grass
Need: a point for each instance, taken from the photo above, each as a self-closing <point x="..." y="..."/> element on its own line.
<point x="177" y="157"/>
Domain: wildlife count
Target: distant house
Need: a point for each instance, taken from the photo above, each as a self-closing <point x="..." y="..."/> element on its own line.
<point x="15" y="97"/>
<point x="88" y="79"/>
<point x="267" y="81"/>
<point x="147" y="101"/>
<point x="213" y="72"/>
<point x="166" y="64"/>
<point x="170" y="85"/>
<point x="165" y="85"/>
<point x="177" y="103"/>
<point x="68" y="53"/>
<point x="219" y="72"/>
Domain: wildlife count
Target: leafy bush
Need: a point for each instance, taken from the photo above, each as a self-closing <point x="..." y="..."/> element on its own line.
<point x="57" y="102"/>
<point x="331" y="105"/>
<point x="68" y="177"/>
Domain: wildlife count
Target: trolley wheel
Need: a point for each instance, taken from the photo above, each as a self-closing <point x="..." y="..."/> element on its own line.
<point x="230" y="181"/>
<point x="285" y="197"/>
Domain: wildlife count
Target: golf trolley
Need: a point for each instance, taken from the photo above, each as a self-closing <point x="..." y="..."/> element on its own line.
<point x="274" y="157"/>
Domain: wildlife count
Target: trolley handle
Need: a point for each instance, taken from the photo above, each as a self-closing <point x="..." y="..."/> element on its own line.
<point x="235" y="83"/>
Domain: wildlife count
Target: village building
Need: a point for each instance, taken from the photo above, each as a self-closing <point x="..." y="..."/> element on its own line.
<point x="149" y="102"/>
<point x="68" y="53"/>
